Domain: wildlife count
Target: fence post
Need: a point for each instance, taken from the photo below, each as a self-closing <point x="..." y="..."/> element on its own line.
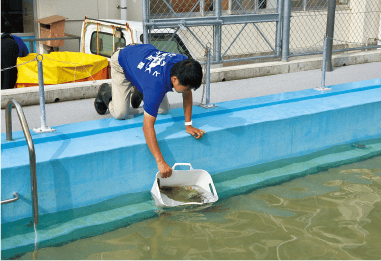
<point x="286" y="30"/>
<point x="218" y="30"/>
<point x="278" y="36"/>
<point x="206" y="91"/>
<point x="379" y="34"/>
<point x="43" y="127"/>
<point x="145" y="21"/>
<point x="329" y="32"/>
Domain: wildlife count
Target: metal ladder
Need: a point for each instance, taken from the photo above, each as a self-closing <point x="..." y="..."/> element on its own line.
<point x="32" y="154"/>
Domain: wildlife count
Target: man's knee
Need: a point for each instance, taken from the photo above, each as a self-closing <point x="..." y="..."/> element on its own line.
<point x="119" y="113"/>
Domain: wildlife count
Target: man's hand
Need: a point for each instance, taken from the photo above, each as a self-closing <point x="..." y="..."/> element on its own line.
<point x="197" y="133"/>
<point x="187" y="104"/>
<point x="165" y="169"/>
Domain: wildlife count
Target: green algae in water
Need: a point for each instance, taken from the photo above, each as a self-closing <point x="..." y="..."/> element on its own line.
<point x="334" y="214"/>
<point x="185" y="194"/>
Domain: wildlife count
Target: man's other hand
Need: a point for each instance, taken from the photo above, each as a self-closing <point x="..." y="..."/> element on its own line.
<point x="165" y="169"/>
<point x="197" y="133"/>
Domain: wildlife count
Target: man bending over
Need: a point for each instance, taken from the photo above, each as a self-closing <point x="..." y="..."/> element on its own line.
<point x="153" y="73"/>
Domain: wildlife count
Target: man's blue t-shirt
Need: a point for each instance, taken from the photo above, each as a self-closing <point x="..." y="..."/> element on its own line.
<point x="148" y="69"/>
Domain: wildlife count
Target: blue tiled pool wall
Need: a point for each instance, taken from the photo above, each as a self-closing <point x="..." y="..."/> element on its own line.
<point x="234" y="140"/>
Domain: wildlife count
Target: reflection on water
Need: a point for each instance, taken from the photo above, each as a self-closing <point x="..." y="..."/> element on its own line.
<point x="334" y="214"/>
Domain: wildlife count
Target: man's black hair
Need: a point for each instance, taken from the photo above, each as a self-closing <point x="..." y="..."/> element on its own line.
<point x="189" y="73"/>
<point x="7" y="29"/>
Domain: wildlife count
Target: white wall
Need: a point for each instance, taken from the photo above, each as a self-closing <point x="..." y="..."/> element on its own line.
<point x="368" y="20"/>
<point x="75" y="11"/>
<point x="134" y="10"/>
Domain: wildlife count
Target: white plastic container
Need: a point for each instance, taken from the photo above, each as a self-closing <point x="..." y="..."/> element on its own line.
<point x="192" y="177"/>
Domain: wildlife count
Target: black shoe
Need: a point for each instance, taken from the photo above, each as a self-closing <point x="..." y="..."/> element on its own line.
<point x="136" y="98"/>
<point x="103" y="99"/>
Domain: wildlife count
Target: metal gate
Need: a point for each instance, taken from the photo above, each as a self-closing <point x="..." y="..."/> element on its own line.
<point x="234" y="30"/>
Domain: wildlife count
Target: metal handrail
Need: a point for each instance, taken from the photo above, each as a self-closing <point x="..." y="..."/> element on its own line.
<point x="15" y="198"/>
<point x="70" y="37"/>
<point x="32" y="154"/>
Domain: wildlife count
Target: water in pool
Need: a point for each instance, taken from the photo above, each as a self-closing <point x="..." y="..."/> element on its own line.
<point x="335" y="214"/>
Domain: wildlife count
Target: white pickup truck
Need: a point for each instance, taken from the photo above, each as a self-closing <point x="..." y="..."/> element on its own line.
<point x="104" y="37"/>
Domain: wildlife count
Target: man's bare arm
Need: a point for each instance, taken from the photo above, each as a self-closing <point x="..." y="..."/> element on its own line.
<point x="150" y="136"/>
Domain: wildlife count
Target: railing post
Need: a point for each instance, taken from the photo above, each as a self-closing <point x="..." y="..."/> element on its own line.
<point x="207" y="104"/>
<point x="286" y="30"/>
<point x="329" y="32"/>
<point x="324" y="67"/>
<point x="43" y="127"/>
<point x="207" y="97"/>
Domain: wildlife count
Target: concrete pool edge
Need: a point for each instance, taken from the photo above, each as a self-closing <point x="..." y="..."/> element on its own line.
<point x="80" y="90"/>
<point x="101" y="222"/>
<point x="77" y="130"/>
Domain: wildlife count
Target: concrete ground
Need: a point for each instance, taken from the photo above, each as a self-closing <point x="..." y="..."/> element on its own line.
<point x="83" y="110"/>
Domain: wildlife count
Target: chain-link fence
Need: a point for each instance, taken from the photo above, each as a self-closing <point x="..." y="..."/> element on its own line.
<point x="357" y="25"/>
<point x="236" y="30"/>
<point x="249" y="30"/>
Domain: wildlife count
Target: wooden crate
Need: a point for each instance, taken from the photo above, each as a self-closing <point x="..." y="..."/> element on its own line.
<point x="52" y="27"/>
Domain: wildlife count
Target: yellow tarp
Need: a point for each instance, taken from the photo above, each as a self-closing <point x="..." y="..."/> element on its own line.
<point x="60" y="67"/>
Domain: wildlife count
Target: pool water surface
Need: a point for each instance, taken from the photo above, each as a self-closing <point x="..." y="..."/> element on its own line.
<point x="334" y="214"/>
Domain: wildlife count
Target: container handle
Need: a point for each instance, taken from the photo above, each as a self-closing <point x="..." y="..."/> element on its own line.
<point x="213" y="189"/>
<point x="182" y="164"/>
